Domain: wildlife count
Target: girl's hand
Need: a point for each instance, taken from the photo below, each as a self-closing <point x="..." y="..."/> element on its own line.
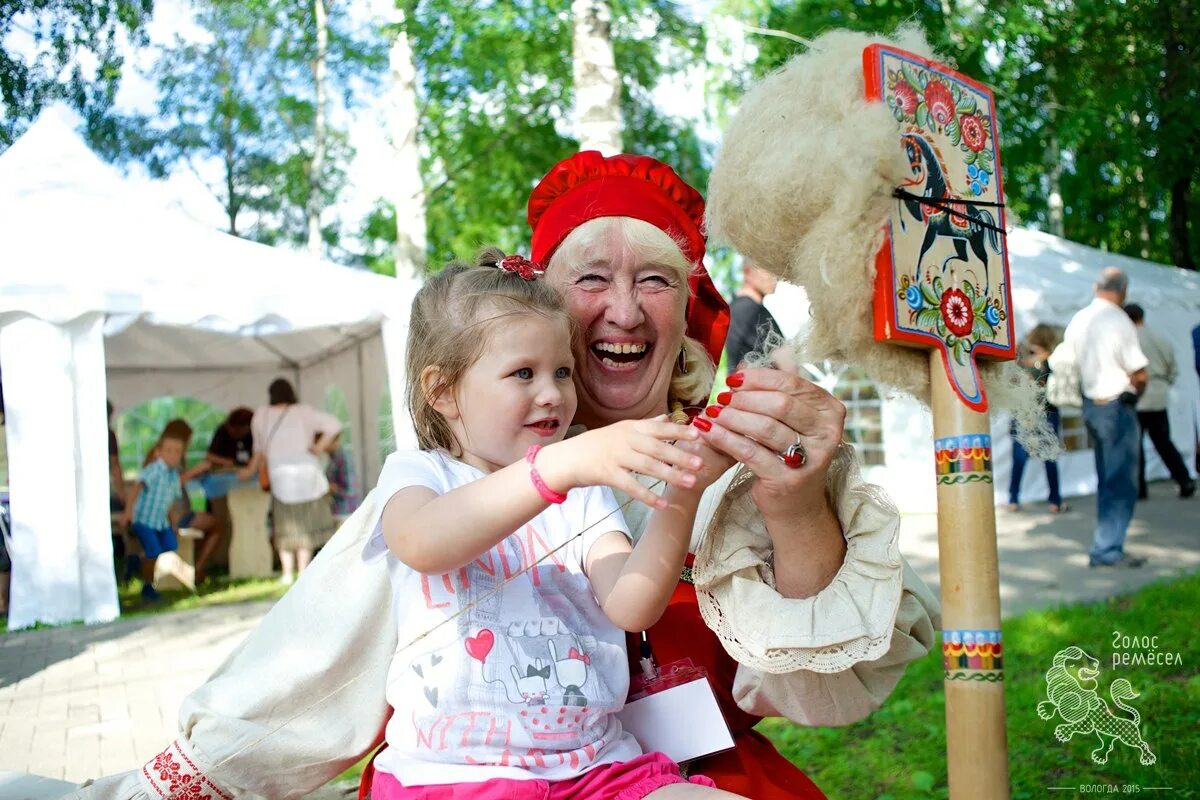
<point x="614" y="454"/>
<point x="716" y="464"/>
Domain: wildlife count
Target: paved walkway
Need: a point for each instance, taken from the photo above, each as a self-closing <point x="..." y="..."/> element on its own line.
<point x="82" y="701"/>
<point x="1043" y="556"/>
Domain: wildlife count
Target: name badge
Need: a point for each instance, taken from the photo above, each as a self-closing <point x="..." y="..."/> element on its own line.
<point x="676" y="713"/>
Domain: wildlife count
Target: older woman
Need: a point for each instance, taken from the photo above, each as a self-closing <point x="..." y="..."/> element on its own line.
<point x="796" y="565"/>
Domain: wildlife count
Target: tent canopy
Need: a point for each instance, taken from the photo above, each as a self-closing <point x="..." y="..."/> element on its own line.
<point x="77" y="240"/>
<point x="103" y="293"/>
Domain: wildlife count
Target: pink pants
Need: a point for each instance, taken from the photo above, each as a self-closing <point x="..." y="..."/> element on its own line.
<point x="626" y="780"/>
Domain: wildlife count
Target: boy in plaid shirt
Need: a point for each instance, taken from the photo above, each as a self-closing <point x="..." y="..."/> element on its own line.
<point x="157" y="490"/>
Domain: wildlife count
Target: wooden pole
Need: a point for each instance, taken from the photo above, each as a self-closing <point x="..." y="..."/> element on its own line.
<point x="976" y="745"/>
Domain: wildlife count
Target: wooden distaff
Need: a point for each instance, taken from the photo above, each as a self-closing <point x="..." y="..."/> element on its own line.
<point x="859" y="140"/>
<point x="941" y="283"/>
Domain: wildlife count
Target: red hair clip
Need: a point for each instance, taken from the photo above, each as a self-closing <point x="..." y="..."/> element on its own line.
<point x="521" y="266"/>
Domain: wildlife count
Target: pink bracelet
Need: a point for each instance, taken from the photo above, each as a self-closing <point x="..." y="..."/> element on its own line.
<point x="548" y="494"/>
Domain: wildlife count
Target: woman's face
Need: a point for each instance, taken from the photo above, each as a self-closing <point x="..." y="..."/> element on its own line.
<point x="631" y="313"/>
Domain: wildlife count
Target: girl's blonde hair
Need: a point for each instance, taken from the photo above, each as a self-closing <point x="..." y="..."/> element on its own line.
<point x="653" y="246"/>
<point x="454" y="317"/>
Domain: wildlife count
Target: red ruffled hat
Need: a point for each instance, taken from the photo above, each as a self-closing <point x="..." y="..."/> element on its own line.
<point x="588" y="186"/>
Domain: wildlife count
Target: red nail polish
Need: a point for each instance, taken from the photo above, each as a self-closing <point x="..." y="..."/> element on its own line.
<point x="735" y="380"/>
<point x="713" y="411"/>
<point x="702" y="424"/>
<point x="725" y="398"/>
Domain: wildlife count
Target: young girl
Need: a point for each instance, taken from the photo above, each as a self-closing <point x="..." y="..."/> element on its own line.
<point x="508" y="675"/>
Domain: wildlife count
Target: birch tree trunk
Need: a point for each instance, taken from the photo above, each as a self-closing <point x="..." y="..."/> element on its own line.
<point x="409" y="190"/>
<point x="598" y="121"/>
<point x="313" y="210"/>
<point x="1054" y="201"/>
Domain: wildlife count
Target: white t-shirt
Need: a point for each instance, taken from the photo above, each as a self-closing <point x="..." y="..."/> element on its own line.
<point x="284" y="434"/>
<point x="1106" y="348"/>
<point x="526" y="683"/>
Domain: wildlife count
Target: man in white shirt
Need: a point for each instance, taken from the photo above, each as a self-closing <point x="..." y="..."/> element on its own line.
<point x="1152" y="406"/>
<point x="1112" y="374"/>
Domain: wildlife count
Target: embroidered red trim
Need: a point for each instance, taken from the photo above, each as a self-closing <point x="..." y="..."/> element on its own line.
<point x="171" y="774"/>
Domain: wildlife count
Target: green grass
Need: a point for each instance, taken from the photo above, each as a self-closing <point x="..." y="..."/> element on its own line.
<point x="218" y="590"/>
<point x="899" y="751"/>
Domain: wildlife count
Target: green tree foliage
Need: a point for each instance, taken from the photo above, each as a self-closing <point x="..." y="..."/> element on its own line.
<point x="1095" y="97"/>
<point x="44" y="45"/>
<point x="495" y="93"/>
<point x="242" y="97"/>
<point x="139" y="427"/>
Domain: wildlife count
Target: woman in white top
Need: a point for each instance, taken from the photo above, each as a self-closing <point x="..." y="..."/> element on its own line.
<point x="284" y="433"/>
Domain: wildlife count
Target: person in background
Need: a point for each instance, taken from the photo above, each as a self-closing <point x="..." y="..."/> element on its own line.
<point x="340" y="475"/>
<point x="750" y="321"/>
<point x="232" y="443"/>
<point x="229" y="450"/>
<point x="283" y="431"/>
<point x="148" y="506"/>
<point x="1112" y="374"/>
<point x="1196" y="348"/>
<point x="1152" y="406"/>
<point x="116" y="478"/>
<point x="5" y="561"/>
<point x="124" y="543"/>
<point x="1196" y="357"/>
<point x="1040" y="342"/>
<point x="157" y="508"/>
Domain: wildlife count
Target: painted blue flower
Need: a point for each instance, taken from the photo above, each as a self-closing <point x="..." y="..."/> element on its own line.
<point x="972" y="171"/>
<point x="984" y="176"/>
<point x="992" y="315"/>
<point x="912" y="296"/>
<point x="976" y="189"/>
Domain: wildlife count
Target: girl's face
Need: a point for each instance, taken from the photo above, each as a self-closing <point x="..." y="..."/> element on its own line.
<point x="631" y="312"/>
<point x="519" y="393"/>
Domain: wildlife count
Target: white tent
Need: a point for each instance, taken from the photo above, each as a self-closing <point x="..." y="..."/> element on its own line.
<point x="102" y="294"/>
<point x="1052" y="278"/>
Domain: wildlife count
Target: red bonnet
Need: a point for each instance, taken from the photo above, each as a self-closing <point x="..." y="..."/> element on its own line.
<point x="588" y="186"/>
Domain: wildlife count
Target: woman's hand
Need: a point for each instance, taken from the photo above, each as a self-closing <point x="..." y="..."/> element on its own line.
<point x="765" y="412"/>
<point x="612" y="455"/>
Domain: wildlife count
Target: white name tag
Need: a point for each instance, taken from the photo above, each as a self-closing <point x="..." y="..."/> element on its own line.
<point x="684" y="722"/>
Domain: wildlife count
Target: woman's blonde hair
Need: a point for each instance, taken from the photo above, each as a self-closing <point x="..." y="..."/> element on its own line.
<point x="654" y="246"/>
<point x="454" y="317"/>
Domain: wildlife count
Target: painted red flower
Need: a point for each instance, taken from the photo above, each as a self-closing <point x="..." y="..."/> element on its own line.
<point x="906" y="97"/>
<point x="957" y="312"/>
<point x="939" y="101"/>
<point x="973" y="133"/>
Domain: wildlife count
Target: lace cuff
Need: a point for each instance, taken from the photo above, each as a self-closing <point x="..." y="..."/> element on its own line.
<point x="849" y="621"/>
